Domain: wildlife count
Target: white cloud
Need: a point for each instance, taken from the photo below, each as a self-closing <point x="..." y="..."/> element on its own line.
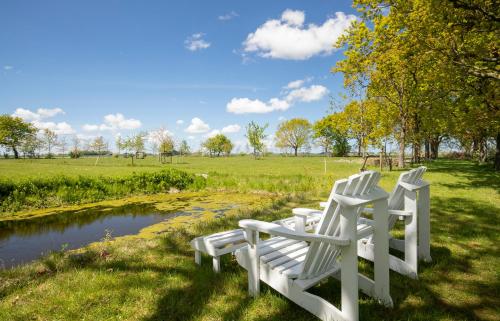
<point x="114" y="122"/>
<point x="197" y="126"/>
<point x="41" y="113"/>
<point x="257" y="106"/>
<point x="293" y="17"/>
<point x="179" y="122"/>
<point x="212" y="133"/>
<point x="288" y="38"/>
<point x="246" y="105"/>
<point x="90" y="128"/>
<point x="47" y="113"/>
<point x="196" y="42"/>
<point x="281" y="118"/>
<point x="231" y="129"/>
<point x="62" y="128"/>
<point x="228" y="16"/>
<point x="7" y="67"/>
<point x="307" y="94"/>
<point x="294" y="84"/>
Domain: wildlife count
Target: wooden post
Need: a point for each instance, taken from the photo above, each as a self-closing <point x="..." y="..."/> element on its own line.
<point x="216" y="264"/>
<point x="349" y="265"/>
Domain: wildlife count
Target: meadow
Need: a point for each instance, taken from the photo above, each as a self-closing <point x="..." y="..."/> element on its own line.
<point x="152" y="275"/>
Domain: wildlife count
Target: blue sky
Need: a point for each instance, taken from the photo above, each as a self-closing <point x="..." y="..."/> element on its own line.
<point x="92" y="68"/>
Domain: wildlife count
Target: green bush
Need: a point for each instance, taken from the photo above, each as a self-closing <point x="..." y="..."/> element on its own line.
<point x="60" y="190"/>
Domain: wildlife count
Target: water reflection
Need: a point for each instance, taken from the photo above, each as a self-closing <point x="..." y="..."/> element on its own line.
<point x="25" y="240"/>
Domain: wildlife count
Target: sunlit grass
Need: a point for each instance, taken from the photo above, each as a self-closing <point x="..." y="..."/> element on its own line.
<point x="156" y="278"/>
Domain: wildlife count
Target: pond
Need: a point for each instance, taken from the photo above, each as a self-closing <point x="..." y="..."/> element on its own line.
<point x="26" y="240"/>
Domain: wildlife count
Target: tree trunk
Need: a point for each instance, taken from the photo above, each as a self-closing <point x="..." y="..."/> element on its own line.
<point x="427" y="148"/>
<point x="483" y="155"/>
<point x="359" y="147"/>
<point x="296" y="150"/>
<point x="497" y="154"/>
<point x="16" y="153"/>
<point x="401" y="156"/>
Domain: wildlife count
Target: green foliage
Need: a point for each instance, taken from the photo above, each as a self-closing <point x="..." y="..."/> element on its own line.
<point x="294" y="133"/>
<point x="60" y="190"/>
<point x="218" y="145"/>
<point x="330" y="135"/>
<point x="13" y="131"/>
<point x="430" y="67"/>
<point x="255" y="135"/>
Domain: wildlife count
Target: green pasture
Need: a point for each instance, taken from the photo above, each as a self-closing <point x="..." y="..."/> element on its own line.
<point x="154" y="277"/>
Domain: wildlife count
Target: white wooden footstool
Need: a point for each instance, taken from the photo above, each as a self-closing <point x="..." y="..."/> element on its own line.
<point x="218" y="244"/>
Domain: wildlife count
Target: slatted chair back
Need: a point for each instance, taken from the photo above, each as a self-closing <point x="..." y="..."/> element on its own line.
<point x="396" y="198"/>
<point x="321" y="257"/>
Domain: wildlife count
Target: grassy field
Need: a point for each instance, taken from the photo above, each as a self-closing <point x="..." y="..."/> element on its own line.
<point x="153" y="276"/>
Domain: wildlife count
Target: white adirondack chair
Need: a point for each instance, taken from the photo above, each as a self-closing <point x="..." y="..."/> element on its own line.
<point x="410" y="199"/>
<point x="292" y="261"/>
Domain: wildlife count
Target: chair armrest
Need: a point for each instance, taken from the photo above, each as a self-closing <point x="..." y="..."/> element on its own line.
<point x="278" y="230"/>
<point x="414" y="187"/>
<point x="391" y="212"/>
<point x="305" y="212"/>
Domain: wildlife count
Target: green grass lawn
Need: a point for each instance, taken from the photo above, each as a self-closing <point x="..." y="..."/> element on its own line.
<point x="155" y="278"/>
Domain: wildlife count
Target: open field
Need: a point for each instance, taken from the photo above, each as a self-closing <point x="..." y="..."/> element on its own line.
<point x="152" y="276"/>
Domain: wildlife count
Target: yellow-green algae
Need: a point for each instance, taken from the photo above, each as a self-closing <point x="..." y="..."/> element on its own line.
<point x="161" y="202"/>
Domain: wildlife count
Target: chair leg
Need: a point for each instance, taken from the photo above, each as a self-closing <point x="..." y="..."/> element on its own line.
<point x="381" y="254"/>
<point x="197" y="257"/>
<point x="424" y="224"/>
<point x="216" y="264"/>
<point x="411" y="231"/>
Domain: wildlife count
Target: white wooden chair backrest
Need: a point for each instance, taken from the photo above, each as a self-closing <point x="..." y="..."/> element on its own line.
<point x="321" y="257"/>
<point x="396" y="198"/>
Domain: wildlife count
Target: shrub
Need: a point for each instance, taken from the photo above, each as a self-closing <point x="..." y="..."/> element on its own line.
<point x="59" y="190"/>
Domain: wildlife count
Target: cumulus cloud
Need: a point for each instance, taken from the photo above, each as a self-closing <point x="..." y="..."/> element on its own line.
<point x="179" y="122"/>
<point x="246" y="105"/>
<point x="197" y="126"/>
<point x="289" y="38"/>
<point x="212" y="133"/>
<point x="228" y="16"/>
<point x="61" y="128"/>
<point x="229" y="129"/>
<point x="114" y="122"/>
<point x="257" y="106"/>
<point x="40" y="113"/>
<point x="307" y="94"/>
<point x="196" y="42"/>
<point x="37" y="119"/>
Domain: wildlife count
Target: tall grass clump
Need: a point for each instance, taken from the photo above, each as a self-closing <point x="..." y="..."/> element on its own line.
<point x="60" y="190"/>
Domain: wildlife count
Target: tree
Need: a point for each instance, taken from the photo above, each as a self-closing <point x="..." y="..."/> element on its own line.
<point x="432" y="66"/>
<point x="30" y="144"/>
<point x="184" y="148"/>
<point x="75" y="149"/>
<point x="49" y="139"/>
<point x="331" y="136"/>
<point x="255" y="135"/>
<point x="13" y="131"/>
<point x="134" y="145"/>
<point x="63" y="143"/>
<point x="294" y="133"/>
<point x="98" y="145"/>
<point x="119" y="142"/>
<point x="218" y="145"/>
<point x="166" y="145"/>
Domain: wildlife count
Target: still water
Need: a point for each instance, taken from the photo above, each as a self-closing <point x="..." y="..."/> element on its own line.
<point x="24" y="241"/>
